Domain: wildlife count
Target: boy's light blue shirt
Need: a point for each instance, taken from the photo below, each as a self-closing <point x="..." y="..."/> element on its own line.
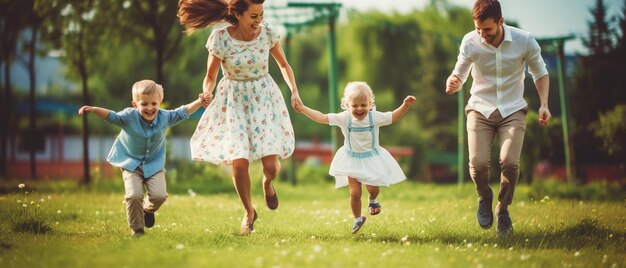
<point x="140" y="142"/>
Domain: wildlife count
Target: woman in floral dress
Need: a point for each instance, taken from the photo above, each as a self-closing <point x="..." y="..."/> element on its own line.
<point x="247" y="120"/>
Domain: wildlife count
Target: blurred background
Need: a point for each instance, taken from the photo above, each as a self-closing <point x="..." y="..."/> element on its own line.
<point x="58" y="55"/>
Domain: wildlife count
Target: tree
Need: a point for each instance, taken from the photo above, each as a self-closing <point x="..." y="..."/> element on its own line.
<point x="34" y="21"/>
<point x="76" y="27"/>
<point x="600" y="36"/>
<point x="599" y="86"/>
<point x="154" y="23"/>
<point x="12" y="22"/>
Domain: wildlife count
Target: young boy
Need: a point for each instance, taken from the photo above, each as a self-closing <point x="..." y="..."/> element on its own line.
<point x="139" y="149"/>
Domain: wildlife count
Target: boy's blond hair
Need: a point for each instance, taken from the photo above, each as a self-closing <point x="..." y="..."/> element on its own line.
<point x="147" y="87"/>
<point x="357" y="90"/>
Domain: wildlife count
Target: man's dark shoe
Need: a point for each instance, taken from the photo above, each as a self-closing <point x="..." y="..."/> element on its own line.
<point x="138" y="232"/>
<point x="485" y="213"/>
<point x="505" y="225"/>
<point x="148" y="219"/>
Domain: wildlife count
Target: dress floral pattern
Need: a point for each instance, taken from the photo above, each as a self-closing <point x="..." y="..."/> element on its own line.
<point x="248" y="117"/>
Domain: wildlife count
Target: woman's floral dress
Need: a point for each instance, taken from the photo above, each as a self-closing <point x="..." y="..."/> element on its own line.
<point x="248" y="117"/>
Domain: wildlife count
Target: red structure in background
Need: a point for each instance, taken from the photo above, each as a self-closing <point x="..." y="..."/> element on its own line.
<point x="61" y="169"/>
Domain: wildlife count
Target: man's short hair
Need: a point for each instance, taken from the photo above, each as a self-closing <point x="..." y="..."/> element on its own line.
<point x="485" y="9"/>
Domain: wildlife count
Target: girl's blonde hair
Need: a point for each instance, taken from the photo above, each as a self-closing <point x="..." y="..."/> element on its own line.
<point x="357" y="90"/>
<point x="147" y="87"/>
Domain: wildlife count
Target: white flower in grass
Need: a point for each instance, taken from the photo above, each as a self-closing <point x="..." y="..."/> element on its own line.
<point x="317" y="248"/>
<point x="577" y="253"/>
<point x="524" y="257"/>
<point x="405" y="238"/>
<point x="21" y="185"/>
<point x="24" y="205"/>
<point x="59" y="211"/>
<point x="180" y="246"/>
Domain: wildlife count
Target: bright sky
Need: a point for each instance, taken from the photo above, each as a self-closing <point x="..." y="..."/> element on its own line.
<point x="543" y="18"/>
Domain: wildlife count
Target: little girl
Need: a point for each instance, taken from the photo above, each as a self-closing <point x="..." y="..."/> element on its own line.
<point x="361" y="160"/>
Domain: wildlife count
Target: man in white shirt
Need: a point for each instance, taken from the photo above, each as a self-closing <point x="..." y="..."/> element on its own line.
<point x="497" y="54"/>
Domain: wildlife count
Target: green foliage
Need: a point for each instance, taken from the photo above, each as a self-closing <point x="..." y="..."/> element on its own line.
<point x="313" y="172"/>
<point x="611" y="129"/>
<point x="197" y="177"/>
<point x="591" y="191"/>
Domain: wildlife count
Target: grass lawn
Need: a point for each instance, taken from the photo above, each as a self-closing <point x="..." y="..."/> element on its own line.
<point x="421" y="225"/>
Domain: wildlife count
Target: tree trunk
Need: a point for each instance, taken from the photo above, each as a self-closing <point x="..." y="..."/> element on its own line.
<point x="82" y="69"/>
<point x="6" y="111"/>
<point x="32" y="144"/>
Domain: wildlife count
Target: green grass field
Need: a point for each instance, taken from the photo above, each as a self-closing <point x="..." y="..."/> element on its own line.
<point x="421" y="225"/>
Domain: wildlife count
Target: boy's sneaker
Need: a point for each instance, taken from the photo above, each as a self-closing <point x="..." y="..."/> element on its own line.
<point x="138" y="232"/>
<point x="505" y="225"/>
<point x="485" y="213"/>
<point x="148" y="219"/>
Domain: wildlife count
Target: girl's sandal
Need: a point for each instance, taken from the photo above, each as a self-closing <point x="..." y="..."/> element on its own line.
<point x="358" y="223"/>
<point x="374" y="208"/>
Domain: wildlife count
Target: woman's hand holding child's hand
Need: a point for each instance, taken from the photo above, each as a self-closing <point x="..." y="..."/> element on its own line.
<point x="206" y="98"/>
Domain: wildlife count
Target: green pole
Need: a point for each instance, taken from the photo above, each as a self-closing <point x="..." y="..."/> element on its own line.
<point x="559" y="43"/>
<point x="461" y="138"/>
<point x="332" y="75"/>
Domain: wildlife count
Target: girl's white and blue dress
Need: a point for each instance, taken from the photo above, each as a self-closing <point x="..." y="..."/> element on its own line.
<point x="361" y="156"/>
<point x="248" y="117"/>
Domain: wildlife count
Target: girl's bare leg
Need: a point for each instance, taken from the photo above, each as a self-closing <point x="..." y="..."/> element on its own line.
<point x="355" y="196"/>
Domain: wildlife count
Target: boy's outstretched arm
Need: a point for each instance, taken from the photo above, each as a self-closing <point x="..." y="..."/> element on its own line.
<point x="203" y="98"/>
<point x="100" y="112"/>
<point x="398" y="113"/>
<point x="314" y="115"/>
